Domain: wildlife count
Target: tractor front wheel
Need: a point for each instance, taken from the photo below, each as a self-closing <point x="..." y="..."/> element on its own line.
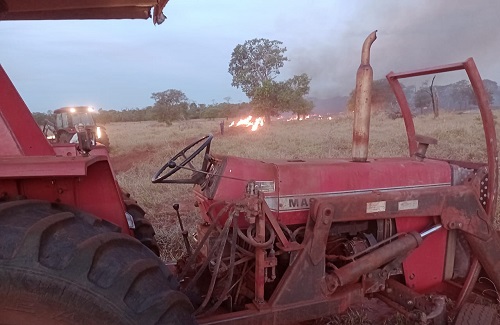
<point x="62" y="266"/>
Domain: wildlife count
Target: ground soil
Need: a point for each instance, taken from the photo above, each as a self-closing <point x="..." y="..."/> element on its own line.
<point x="123" y="162"/>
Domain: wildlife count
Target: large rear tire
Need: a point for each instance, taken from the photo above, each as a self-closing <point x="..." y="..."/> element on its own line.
<point x="475" y="314"/>
<point x="63" y="266"/>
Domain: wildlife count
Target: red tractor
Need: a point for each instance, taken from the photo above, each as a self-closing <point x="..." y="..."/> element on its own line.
<point x="66" y="121"/>
<point x="279" y="242"/>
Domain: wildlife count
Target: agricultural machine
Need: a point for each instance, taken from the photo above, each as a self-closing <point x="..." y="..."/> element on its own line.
<point x="278" y="242"/>
<point x="66" y="121"/>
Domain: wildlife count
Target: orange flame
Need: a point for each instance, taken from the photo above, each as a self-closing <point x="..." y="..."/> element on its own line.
<point x="247" y="122"/>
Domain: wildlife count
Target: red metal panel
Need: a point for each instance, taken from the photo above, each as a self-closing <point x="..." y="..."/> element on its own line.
<point x="99" y="194"/>
<point x="424" y="267"/>
<point x="296" y="182"/>
<point x="46" y="166"/>
<point x="19" y="133"/>
<point x="85" y="183"/>
<point x="55" y="189"/>
<point x="300" y="182"/>
<point x="241" y="171"/>
<point x="244" y="170"/>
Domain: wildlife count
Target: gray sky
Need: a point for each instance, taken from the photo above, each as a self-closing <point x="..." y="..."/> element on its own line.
<point x="118" y="64"/>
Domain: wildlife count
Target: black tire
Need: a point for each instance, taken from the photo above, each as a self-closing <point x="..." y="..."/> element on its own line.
<point x="144" y="231"/>
<point x="63" y="266"/>
<point x="475" y="314"/>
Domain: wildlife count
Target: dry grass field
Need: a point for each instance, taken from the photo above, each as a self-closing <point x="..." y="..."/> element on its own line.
<point x="139" y="149"/>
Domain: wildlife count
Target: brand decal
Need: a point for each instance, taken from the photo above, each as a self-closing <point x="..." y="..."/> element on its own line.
<point x="287" y="203"/>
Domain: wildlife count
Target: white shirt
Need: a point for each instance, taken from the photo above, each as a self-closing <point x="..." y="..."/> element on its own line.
<point x="74" y="139"/>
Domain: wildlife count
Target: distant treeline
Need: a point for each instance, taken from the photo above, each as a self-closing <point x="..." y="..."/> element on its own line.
<point x="173" y="105"/>
<point x="183" y="111"/>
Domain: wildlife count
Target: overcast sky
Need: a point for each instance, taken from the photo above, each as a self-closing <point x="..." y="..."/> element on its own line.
<point x="118" y="64"/>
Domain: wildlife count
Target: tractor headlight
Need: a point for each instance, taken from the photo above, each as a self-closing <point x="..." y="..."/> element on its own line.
<point x="98" y="132"/>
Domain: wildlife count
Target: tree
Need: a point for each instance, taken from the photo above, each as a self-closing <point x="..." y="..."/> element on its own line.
<point x="491" y="88"/>
<point x="268" y="99"/>
<point x="463" y="94"/>
<point x="296" y="88"/>
<point x="383" y="98"/>
<point x="274" y="98"/>
<point x="422" y="97"/>
<point x="255" y="62"/>
<point x="434" y="98"/>
<point x="302" y="107"/>
<point x="254" y="66"/>
<point x="170" y="105"/>
<point x="41" y="118"/>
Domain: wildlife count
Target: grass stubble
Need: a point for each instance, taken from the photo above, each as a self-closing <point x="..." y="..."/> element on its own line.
<point x="149" y="145"/>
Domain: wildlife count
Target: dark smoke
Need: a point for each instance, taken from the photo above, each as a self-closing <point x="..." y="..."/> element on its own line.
<point x="412" y="35"/>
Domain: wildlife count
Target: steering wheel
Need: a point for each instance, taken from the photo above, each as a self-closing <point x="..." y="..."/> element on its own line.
<point x="195" y="179"/>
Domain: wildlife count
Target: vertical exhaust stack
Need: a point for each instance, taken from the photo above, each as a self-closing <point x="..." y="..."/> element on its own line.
<point x="364" y="81"/>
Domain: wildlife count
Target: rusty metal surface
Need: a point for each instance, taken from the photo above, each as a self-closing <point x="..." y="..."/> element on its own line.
<point x="488" y="254"/>
<point x="302" y="280"/>
<point x="298" y="182"/>
<point x="362" y="110"/>
<point x="75" y="9"/>
<point x="293" y="313"/>
<point x="470" y="281"/>
<point x="417" y="307"/>
<point x="381" y="256"/>
<point x="486" y="115"/>
<point x="457" y="206"/>
<point x="489" y="134"/>
<point x="260" y="259"/>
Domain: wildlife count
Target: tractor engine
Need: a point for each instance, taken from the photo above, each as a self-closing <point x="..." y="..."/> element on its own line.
<point x="238" y="192"/>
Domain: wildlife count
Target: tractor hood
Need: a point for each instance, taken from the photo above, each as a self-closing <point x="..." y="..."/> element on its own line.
<point x="288" y="185"/>
<point x="77" y="9"/>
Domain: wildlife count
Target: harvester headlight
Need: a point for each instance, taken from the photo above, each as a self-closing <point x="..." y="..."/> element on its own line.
<point x="98" y="132"/>
<point x="90" y="109"/>
<point x="72" y="110"/>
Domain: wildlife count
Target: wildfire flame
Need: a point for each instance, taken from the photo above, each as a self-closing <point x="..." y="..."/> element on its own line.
<point x="247" y="122"/>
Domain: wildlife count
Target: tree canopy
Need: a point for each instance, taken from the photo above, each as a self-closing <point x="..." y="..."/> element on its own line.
<point x="254" y="66"/>
<point x="255" y="62"/>
<point x="170" y="105"/>
<point x="274" y="98"/>
<point x="382" y="97"/>
<point x="423" y="97"/>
